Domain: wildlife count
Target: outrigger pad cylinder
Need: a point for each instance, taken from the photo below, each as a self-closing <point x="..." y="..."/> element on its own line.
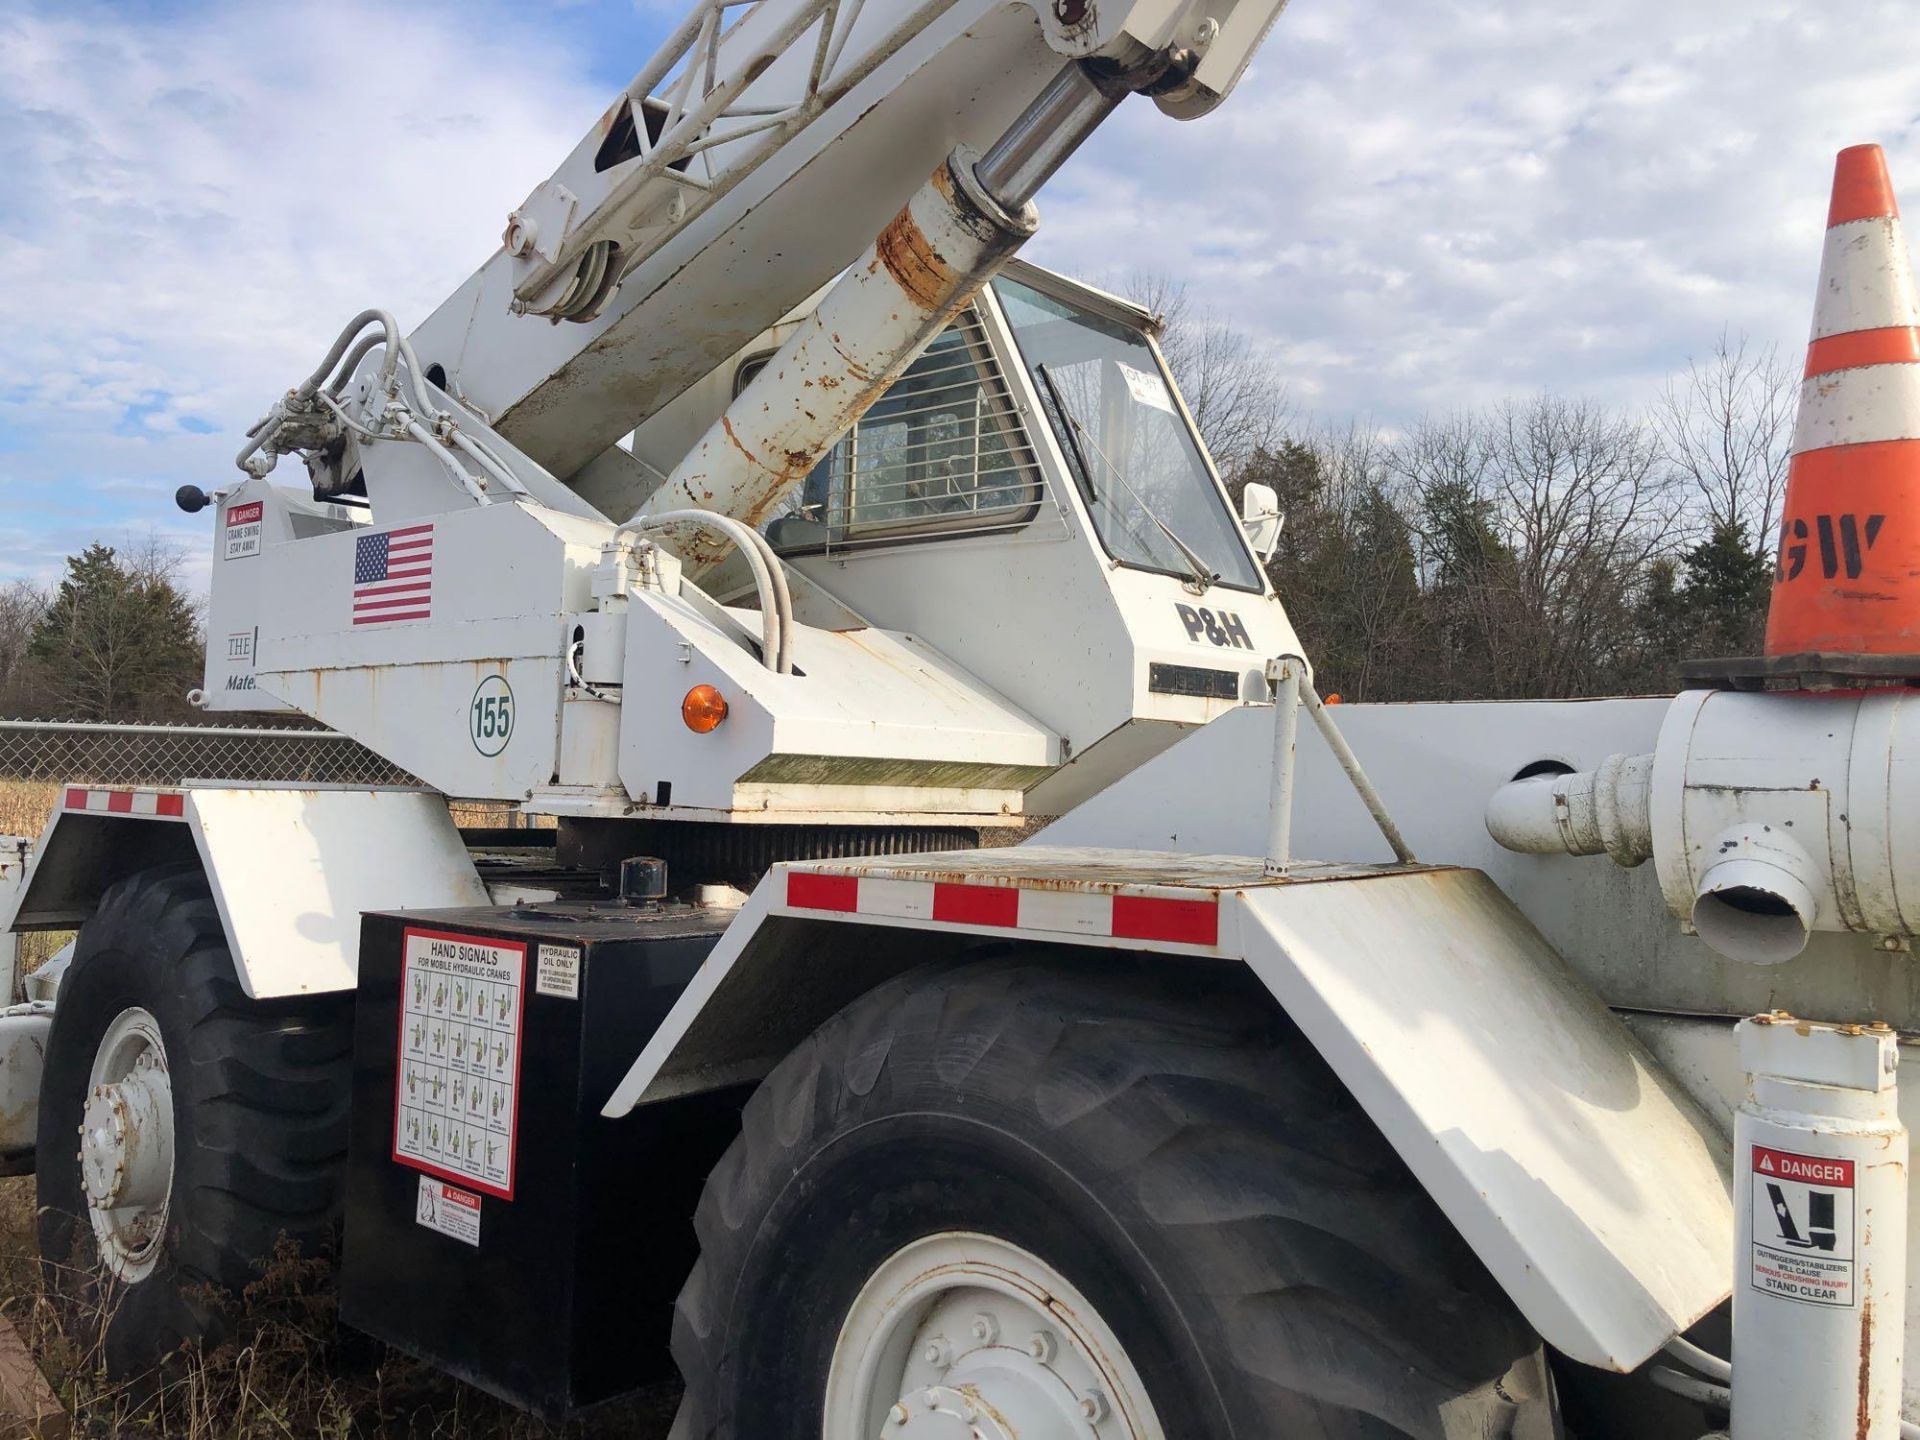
<point x="1820" y="1201"/>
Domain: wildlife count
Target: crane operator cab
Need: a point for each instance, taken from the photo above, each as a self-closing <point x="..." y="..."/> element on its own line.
<point x="1032" y="498"/>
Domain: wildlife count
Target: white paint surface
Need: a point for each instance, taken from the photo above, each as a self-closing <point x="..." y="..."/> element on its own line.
<point x="293" y="870"/>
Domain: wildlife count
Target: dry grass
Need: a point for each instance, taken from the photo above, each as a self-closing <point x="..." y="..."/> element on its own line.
<point x="24" y="808"/>
<point x="25" y="805"/>
<point x="289" y="1370"/>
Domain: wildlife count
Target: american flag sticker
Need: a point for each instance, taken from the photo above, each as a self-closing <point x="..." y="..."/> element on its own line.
<point x="393" y="576"/>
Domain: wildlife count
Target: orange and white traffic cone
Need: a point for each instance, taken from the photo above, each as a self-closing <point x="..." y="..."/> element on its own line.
<point x="1847" y="585"/>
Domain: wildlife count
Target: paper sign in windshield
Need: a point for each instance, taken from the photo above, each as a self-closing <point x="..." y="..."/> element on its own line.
<point x="1147" y="389"/>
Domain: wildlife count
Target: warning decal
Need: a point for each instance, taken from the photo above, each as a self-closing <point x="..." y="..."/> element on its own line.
<point x="1803" y="1227"/>
<point x="559" y="972"/>
<point x="243" y="529"/>
<point x="450" y="1211"/>
<point x="458" y="1073"/>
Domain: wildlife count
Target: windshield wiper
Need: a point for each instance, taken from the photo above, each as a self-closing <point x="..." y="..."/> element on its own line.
<point x="1204" y="575"/>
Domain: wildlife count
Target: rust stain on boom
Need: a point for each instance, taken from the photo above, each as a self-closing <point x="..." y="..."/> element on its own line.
<point x="919" y="269"/>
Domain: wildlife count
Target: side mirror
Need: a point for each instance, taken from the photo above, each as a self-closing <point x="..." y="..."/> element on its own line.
<point x="1260" y="515"/>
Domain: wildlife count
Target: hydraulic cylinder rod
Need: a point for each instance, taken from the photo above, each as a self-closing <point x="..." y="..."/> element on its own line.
<point x="949" y="240"/>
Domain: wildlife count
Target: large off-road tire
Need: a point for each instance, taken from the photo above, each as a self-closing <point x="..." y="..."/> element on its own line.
<point x="241" y="1145"/>
<point x="1142" y="1161"/>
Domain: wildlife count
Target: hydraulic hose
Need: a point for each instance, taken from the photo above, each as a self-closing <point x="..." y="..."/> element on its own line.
<point x="1716" y="1393"/>
<point x="769" y="576"/>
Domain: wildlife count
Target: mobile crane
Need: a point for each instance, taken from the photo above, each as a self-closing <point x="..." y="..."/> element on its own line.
<point x="775" y="571"/>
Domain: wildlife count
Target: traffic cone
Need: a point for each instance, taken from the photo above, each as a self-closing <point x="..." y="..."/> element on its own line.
<point x="1847" y="583"/>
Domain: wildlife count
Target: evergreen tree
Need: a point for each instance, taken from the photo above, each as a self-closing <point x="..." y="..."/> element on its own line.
<point x="118" y="642"/>
<point x="1713" y="603"/>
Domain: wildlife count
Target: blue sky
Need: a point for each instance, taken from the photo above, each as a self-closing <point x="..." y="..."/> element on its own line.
<point x="1409" y="207"/>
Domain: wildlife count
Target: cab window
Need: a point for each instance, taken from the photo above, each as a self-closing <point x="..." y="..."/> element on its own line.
<point x="942" y="453"/>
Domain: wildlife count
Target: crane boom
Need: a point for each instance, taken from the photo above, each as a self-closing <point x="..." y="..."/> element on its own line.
<point x="749" y="161"/>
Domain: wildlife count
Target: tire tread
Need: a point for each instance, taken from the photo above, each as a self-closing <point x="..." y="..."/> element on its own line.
<point x="1342" y="1303"/>
<point x="262" y="1091"/>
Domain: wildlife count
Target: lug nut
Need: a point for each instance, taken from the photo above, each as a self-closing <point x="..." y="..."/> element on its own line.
<point x="1093" y="1405"/>
<point x="986" y="1329"/>
<point x="939" y="1353"/>
<point x="899" y="1415"/>
<point x="1042" y="1346"/>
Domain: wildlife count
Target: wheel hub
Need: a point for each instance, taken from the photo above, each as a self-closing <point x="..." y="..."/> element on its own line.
<point x="939" y="1413"/>
<point x="965" y="1337"/>
<point x="123" y="1139"/>
<point x="126" y="1144"/>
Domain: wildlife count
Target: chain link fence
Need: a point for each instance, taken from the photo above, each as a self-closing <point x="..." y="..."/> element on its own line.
<point x="100" y="754"/>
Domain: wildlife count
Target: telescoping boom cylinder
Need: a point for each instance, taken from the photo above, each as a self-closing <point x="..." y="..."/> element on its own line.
<point x="951" y="237"/>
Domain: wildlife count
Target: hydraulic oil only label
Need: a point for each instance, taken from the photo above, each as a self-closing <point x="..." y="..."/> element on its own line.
<point x="458" y="1074"/>
<point x="1803" y="1227"/>
<point x="559" y="972"/>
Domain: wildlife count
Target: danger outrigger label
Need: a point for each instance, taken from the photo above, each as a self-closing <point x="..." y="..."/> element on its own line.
<point x="457" y="1088"/>
<point x="449" y="1210"/>
<point x="1803" y="1245"/>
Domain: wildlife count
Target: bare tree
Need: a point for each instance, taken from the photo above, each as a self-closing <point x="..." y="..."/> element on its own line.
<point x="1237" y="400"/>
<point x="1727" y="425"/>
<point x="1538" y="521"/>
<point x="22" y="603"/>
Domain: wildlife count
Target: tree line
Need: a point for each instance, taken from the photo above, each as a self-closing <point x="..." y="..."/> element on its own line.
<point x="1536" y="548"/>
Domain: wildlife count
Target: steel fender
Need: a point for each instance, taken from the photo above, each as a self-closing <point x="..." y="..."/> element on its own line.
<point x="14" y="852"/>
<point x="770" y="982"/>
<point x="291" y="870"/>
<point x="790" y="961"/>
<point x="1591" y="1186"/>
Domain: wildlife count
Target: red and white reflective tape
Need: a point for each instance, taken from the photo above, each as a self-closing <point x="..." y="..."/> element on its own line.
<point x="148" y="804"/>
<point x="1167" y="919"/>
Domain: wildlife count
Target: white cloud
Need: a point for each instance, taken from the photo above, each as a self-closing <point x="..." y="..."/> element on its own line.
<point x="1412" y="206"/>
<point x="1424" y="206"/>
<point x="192" y="206"/>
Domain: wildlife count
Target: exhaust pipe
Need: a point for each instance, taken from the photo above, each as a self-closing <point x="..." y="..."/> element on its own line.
<point x="1767" y="816"/>
<point x="1756" y="902"/>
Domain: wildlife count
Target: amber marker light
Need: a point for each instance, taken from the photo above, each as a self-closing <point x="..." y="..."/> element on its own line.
<point x="703" y="709"/>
